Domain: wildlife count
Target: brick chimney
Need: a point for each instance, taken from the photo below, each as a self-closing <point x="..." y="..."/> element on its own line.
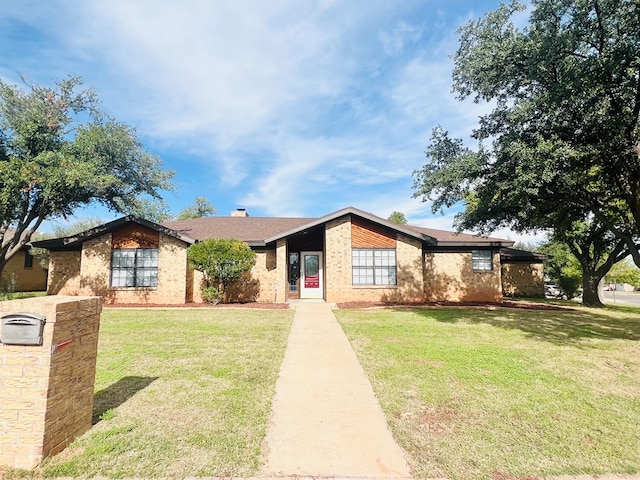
<point x="240" y="212"/>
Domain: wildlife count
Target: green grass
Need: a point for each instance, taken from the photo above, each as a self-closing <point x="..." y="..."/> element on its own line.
<point x="19" y="295"/>
<point x="489" y="393"/>
<point x="179" y="393"/>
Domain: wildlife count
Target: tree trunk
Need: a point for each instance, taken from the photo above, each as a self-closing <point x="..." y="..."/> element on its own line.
<point x="590" y="283"/>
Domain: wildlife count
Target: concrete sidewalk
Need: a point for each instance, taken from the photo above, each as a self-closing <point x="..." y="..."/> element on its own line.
<point x="326" y="420"/>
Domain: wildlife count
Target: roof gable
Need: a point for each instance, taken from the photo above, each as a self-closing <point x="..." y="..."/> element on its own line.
<point x="352" y="211"/>
<point x="74" y="242"/>
<point x="262" y="231"/>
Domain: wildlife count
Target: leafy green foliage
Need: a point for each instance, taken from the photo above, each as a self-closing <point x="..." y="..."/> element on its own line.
<point x="624" y="272"/>
<point x="152" y="209"/>
<point x="562" y="267"/>
<point x="58" y="152"/>
<point x="559" y="147"/>
<point x="398" y="217"/>
<point x="211" y="294"/>
<point x="221" y="261"/>
<point x="201" y="208"/>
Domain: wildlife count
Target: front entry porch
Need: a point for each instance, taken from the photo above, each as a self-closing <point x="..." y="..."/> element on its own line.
<point x="305" y="272"/>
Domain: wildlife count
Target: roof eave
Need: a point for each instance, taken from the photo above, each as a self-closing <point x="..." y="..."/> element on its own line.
<point x="352" y="211"/>
<point x="490" y="243"/>
<point x="68" y="243"/>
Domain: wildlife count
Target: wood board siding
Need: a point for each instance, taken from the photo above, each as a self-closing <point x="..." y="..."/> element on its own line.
<point x="366" y="234"/>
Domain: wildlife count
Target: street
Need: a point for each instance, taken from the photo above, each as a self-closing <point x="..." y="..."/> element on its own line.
<point x="622" y="298"/>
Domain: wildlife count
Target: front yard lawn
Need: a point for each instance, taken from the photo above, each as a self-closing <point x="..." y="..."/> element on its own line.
<point x="493" y="393"/>
<point x="180" y="393"/>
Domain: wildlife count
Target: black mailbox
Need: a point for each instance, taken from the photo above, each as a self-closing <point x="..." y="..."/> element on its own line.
<point x="22" y="329"/>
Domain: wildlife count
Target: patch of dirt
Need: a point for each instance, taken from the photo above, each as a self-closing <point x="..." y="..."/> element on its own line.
<point x="263" y="305"/>
<point x="504" y="476"/>
<point x="487" y="305"/>
<point x="437" y="419"/>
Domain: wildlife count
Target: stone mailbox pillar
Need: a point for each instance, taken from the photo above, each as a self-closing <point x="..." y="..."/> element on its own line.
<point x="46" y="391"/>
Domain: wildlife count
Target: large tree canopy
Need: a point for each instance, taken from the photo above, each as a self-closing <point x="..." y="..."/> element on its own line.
<point x="561" y="140"/>
<point x="59" y="151"/>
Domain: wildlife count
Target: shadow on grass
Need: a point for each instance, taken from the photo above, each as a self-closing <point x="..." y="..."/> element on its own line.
<point x="116" y="394"/>
<point x="552" y="326"/>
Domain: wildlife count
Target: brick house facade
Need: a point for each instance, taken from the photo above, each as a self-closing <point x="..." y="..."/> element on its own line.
<point x="24" y="273"/>
<point x="348" y="255"/>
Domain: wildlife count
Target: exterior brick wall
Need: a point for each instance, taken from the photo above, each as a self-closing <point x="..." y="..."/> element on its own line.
<point x="337" y="260"/>
<point x="265" y="271"/>
<point x="449" y="276"/>
<point x="64" y="273"/>
<point x="338" y="270"/>
<point x="47" y="398"/>
<point x="88" y="273"/>
<point x="26" y="279"/>
<point x="280" y="273"/>
<point x="95" y="267"/>
<point x="523" y="280"/>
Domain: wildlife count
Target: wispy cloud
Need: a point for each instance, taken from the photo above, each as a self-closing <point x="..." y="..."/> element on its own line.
<point x="287" y="108"/>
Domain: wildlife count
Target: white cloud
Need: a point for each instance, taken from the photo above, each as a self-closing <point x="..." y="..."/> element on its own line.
<point x="287" y="107"/>
<point x="394" y="42"/>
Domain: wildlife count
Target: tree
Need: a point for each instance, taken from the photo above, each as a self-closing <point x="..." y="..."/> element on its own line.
<point x="398" y="217"/>
<point x="562" y="139"/>
<point x="80" y="225"/>
<point x="221" y="261"/>
<point x="150" y="208"/>
<point x="624" y="272"/>
<point x="201" y="207"/>
<point x="59" y="151"/>
<point x="562" y="266"/>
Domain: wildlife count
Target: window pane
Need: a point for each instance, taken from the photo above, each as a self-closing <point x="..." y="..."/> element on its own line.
<point x="147" y="257"/>
<point x="373" y="266"/>
<point x="147" y="277"/>
<point x="482" y="260"/>
<point x="131" y="267"/>
<point x="122" y="278"/>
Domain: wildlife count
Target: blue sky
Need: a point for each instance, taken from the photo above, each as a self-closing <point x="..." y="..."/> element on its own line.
<point x="285" y="108"/>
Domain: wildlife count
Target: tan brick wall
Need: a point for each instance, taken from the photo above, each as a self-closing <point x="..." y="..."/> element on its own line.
<point x="337" y="260"/>
<point x="26" y="279"/>
<point x="449" y="276"/>
<point x="95" y="267"/>
<point x="338" y="269"/>
<point x="64" y="273"/>
<point x="280" y="273"/>
<point x="266" y="272"/>
<point x="47" y="398"/>
<point x="523" y="280"/>
<point x="88" y="273"/>
<point x="409" y="270"/>
<point x="172" y="277"/>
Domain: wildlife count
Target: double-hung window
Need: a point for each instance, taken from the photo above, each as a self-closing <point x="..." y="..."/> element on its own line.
<point x="482" y="260"/>
<point x="374" y="266"/>
<point x="134" y="267"/>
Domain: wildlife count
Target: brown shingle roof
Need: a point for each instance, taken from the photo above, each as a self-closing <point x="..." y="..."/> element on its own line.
<point x="256" y="231"/>
<point x="446" y="238"/>
<point x="252" y="230"/>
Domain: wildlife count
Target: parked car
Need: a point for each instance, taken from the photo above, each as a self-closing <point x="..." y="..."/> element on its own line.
<point x="552" y="290"/>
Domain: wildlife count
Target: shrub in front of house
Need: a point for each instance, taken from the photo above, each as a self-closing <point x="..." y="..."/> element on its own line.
<point x="223" y="262"/>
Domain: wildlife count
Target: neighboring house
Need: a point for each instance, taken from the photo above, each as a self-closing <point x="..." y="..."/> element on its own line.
<point x="24" y="273"/>
<point x="347" y="255"/>
<point x="522" y="273"/>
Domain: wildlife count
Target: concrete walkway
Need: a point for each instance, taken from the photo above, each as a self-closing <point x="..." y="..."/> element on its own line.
<point x="326" y="420"/>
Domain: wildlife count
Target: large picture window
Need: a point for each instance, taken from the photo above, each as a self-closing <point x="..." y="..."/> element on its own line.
<point x="374" y="266"/>
<point x="482" y="260"/>
<point x="134" y="267"/>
